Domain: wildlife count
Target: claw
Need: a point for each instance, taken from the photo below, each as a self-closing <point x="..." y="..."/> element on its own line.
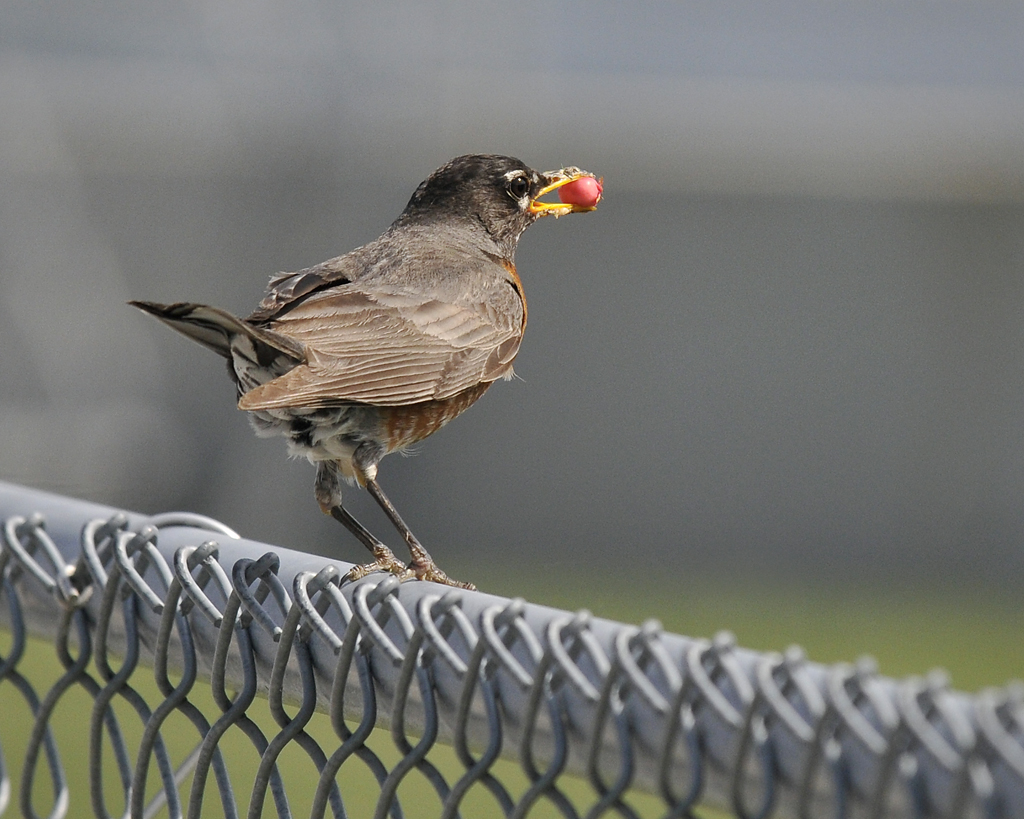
<point x="428" y="570"/>
<point x="384" y="561"/>
<point x="389" y="563"/>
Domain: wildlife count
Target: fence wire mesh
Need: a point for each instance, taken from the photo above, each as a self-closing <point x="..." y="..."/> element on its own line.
<point x="580" y="705"/>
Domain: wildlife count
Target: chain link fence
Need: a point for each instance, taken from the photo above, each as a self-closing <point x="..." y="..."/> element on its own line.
<point x="598" y="718"/>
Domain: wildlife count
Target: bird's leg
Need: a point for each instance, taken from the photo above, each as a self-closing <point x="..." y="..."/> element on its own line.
<point x="328" y="495"/>
<point x="422" y="565"/>
<point x="383" y="558"/>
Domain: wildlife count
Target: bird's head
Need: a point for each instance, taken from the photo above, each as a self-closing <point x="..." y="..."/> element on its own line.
<point x="500" y="193"/>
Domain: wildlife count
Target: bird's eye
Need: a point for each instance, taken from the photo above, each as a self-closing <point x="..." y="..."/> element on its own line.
<point x="518" y="187"/>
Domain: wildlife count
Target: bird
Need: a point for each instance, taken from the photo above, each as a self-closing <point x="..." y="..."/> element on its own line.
<point x="370" y="352"/>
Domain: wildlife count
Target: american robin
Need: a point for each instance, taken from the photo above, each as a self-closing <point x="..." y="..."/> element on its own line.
<point x="370" y="352"/>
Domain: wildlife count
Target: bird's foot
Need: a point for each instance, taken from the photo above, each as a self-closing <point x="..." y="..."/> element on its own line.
<point x="384" y="560"/>
<point x="427" y="569"/>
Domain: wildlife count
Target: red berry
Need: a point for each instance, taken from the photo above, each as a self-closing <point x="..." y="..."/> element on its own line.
<point x="585" y="191"/>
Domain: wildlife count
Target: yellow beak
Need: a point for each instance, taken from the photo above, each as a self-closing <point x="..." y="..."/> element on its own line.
<point x="555" y="180"/>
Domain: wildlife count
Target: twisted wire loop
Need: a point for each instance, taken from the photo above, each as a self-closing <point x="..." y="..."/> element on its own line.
<point x="353" y="648"/>
<point x="12" y="566"/>
<point x="783" y="695"/>
<point x="101" y="552"/>
<point x="174" y="622"/>
<point x="414" y="665"/>
<point x="1001" y="726"/>
<point x="290" y="643"/>
<point x="553" y="673"/>
<point x="117" y="561"/>
<point x="475" y="678"/>
<point x="611" y="707"/>
<point x="622" y="709"/>
<point x="23" y="538"/>
<point x="232" y="628"/>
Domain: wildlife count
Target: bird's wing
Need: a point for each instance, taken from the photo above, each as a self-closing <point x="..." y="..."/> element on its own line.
<point x="287" y="289"/>
<point x="390" y="348"/>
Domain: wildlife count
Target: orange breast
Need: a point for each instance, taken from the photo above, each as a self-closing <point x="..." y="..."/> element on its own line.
<point x="406" y="425"/>
<point x="518" y="284"/>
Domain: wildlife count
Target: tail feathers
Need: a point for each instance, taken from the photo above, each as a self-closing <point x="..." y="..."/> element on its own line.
<point x="214" y="328"/>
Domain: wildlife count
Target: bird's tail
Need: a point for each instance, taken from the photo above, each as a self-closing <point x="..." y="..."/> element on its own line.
<point x="215" y="328"/>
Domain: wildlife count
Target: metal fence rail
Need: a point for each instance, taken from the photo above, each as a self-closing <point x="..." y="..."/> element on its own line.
<point x="626" y="709"/>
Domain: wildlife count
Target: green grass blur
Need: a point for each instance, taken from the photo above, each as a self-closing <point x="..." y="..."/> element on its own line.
<point x="974" y="636"/>
<point x="973" y="633"/>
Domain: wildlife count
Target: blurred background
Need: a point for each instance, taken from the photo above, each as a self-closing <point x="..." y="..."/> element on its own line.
<point x="786" y="353"/>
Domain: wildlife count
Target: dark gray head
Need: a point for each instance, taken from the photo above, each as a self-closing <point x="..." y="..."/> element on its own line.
<point x="495" y="192"/>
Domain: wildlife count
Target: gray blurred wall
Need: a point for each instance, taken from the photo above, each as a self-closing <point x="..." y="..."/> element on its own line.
<point x="790" y="340"/>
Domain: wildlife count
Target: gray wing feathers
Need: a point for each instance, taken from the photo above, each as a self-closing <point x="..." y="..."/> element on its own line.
<point x="389" y="349"/>
<point x="347" y="346"/>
